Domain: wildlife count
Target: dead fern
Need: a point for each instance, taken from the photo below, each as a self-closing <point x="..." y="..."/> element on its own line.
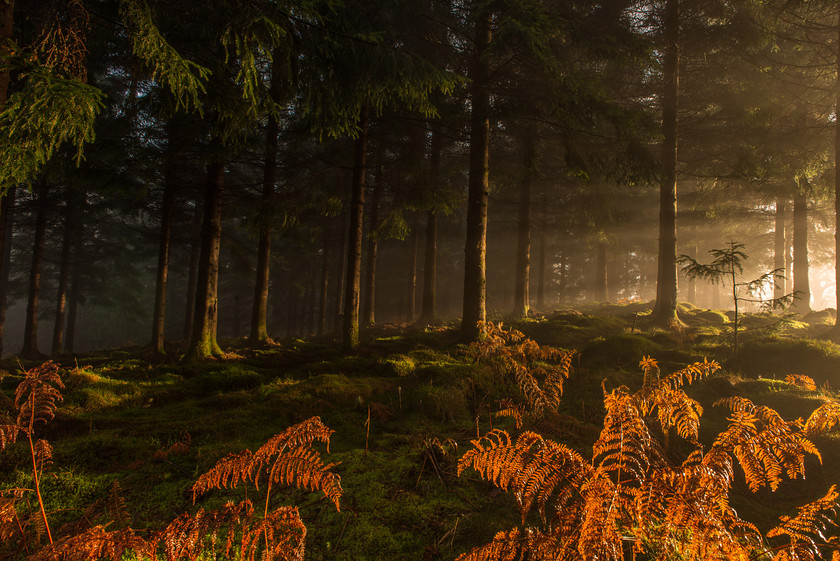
<point x="631" y="497"/>
<point x="802" y="381"/>
<point x="825" y="418"/>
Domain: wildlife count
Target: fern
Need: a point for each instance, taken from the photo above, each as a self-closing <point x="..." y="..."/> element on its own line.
<point x="823" y="419"/>
<point x="810" y="521"/>
<point x="802" y="381"/>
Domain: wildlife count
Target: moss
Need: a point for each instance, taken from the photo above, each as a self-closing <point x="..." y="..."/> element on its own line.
<point x="776" y="357"/>
<point x="228" y="378"/>
<point x="398" y="365"/>
<point x="618" y="350"/>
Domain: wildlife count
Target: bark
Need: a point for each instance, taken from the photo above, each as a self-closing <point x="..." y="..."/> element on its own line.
<point x="30" y="333"/>
<point x="203" y="343"/>
<point x="428" y="311"/>
<point x="541" y="273"/>
<point x="601" y="272"/>
<point x="325" y="279"/>
<point x="837" y="179"/>
<point x="475" y="250"/>
<point x="411" y="296"/>
<point x="522" y="287"/>
<point x="429" y="306"/>
<point x="192" y="274"/>
<point x="369" y="309"/>
<point x="665" y="309"/>
<point x="159" y="313"/>
<point x="70" y="227"/>
<point x="341" y="265"/>
<point x="692" y="283"/>
<point x="779" y="248"/>
<point x="259" y="328"/>
<point x="7" y="203"/>
<point x="75" y="295"/>
<point x="801" y="283"/>
<point x="350" y="330"/>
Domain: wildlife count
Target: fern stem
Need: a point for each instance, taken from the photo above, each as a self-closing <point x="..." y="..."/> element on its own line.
<point x="22" y="534"/>
<point x="38" y="486"/>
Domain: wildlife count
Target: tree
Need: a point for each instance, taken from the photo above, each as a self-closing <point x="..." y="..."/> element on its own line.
<point x="727" y="264"/>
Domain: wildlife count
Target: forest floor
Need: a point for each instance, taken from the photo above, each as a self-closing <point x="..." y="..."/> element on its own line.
<point x="399" y="405"/>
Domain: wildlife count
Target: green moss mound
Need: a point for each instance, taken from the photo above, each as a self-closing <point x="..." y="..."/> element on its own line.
<point x="776" y="357"/>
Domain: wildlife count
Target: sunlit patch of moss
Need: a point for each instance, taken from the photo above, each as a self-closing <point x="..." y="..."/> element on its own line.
<point x="397" y="365"/>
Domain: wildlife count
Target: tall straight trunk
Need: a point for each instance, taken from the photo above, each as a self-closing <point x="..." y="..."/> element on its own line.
<point x="562" y="287"/>
<point x="428" y="311"/>
<point x="259" y="328"/>
<point x="801" y="282"/>
<point x="341" y="263"/>
<point x="325" y="279"/>
<point x="600" y="293"/>
<point x="75" y="294"/>
<point x="779" y="247"/>
<point x="350" y="330"/>
<point x="369" y="309"/>
<point x="411" y="295"/>
<point x="692" y="282"/>
<point x="203" y="343"/>
<point x="665" y="309"/>
<point x="192" y="273"/>
<point x="64" y="272"/>
<point x="475" y="249"/>
<point x="167" y="210"/>
<point x="837" y="178"/>
<point x="522" y="287"/>
<point x="541" y="272"/>
<point x="30" y="333"/>
<point x="7" y="203"/>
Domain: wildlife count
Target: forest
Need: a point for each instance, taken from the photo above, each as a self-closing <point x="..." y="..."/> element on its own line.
<point x="474" y="279"/>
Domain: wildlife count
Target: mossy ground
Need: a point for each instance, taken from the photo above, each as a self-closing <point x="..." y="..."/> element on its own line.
<point x="124" y="411"/>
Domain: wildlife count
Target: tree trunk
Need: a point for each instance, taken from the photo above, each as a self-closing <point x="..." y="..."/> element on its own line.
<point x="159" y="313"/>
<point x="522" y="291"/>
<point x="369" y="309"/>
<point x="7" y="203"/>
<point x="259" y="328"/>
<point x="64" y="272"/>
<point x="341" y="264"/>
<point x="75" y="295"/>
<point x="30" y="333"/>
<point x="411" y="295"/>
<point x="665" y="309"/>
<point x="475" y="250"/>
<point x="779" y="247"/>
<point x="837" y="179"/>
<point x="429" y="306"/>
<point x="692" y="282"/>
<point x="203" y="343"/>
<point x="801" y="283"/>
<point x="192" y="274"/>
<point x="601" y="272"/>
<point x="350" y="331"/>
<point x="541" y="272"/>
<point x="325" y="278"/>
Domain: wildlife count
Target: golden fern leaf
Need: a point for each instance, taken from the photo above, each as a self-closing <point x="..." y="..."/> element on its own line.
<point x="95" y="544"/>
<point x="116" y="506"/>
<point x="823" y="419"/>
<point x="764" y="444"/>
<point x="282" y="529"/>
<point x="690" y="374"/>
<point x="801" y="380"/>
<point x="676" y="410"/>
<point x="605" y="504"/>
<point x="285" y="458"/>
<point x="625" y="447"/>
<point x="811" y="520"/>
<point x="185" y="537"/>
<point x="532" y="468"/>
<point x="650" y="368"/>
<point x="8" y="435"/>
<point x="506" y="546"/>
<point x="38" y="395"/>
<point x="507" y="408"/>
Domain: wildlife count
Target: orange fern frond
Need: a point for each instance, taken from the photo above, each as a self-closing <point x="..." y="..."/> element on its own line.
<point x="285" y="458"/>
<point x="810" y="521"/>
<point x="282" y="529"/>
<point x="801" y="380"/>
<point x="38" y="396"/>
<point x="505" y="546"/>
<point x="507" y="408"/>
<point x="691" y="374"/>
<point x="650" y="368"/>
<point x="625" y="447"/>
<point x="94" y="544"/>
<point x="533" y="468"/>
<point x="185" y="537"/>
<point x="823" y="419"/>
